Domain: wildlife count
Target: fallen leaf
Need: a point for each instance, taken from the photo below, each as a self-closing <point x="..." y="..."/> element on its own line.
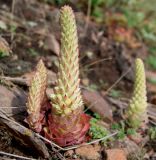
<point x="130" y="146"/>
<point x="12" y="100"/>
<point x="98" y="104"/>
<point x="52" y="44"/>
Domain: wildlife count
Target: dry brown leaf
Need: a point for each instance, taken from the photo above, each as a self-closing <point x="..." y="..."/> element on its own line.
<point x="52" y="44"/>
<point x="12" y="100"/>
<point x="98" y="104"/>
<point x="130" y="147"/>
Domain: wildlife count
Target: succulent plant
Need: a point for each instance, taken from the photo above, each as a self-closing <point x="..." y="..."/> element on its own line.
<point x="37" y="97"/>
<point x="67" y="122"/>
<point x="138" y="103"/>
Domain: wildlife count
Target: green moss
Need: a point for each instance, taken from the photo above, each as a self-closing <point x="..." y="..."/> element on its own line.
<point x="97" y="131"/>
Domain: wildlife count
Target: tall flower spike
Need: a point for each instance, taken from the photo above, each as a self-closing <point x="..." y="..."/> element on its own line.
<point x="67" y="96"/>
<point x="37" y="97"/>
<point x="138" y="104"/>
<point x="67" y="124"/>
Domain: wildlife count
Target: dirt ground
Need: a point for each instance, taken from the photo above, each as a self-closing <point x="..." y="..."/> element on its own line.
<point x="32" y="31"/>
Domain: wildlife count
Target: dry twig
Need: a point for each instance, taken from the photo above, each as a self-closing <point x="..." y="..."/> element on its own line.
<point x="15" y="156"/>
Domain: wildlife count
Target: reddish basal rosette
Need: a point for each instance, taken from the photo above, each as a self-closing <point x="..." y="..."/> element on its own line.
<point x="66" y="131"/>
<point x="39" y="120"/>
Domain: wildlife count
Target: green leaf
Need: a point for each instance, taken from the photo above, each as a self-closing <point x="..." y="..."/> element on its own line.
<point x="134" y="18"/>
<point x="121" y="134"/>
<point x="97" y="116"/>
<point x="96" y="2"/>
<point x="152" y="133"/>
<point x="115" y="126"/>
<point x="115" y="93"/>
<point x="151" y="60"/>
<point x="33" y="52"/>
<point x="152" y="80"/>
<point x="3" y="54"/>
<point x="131" y="131"/>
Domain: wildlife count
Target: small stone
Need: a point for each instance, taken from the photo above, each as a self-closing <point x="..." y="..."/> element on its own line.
<point x="116" y="154"/>
<point x="88" y="152"/>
